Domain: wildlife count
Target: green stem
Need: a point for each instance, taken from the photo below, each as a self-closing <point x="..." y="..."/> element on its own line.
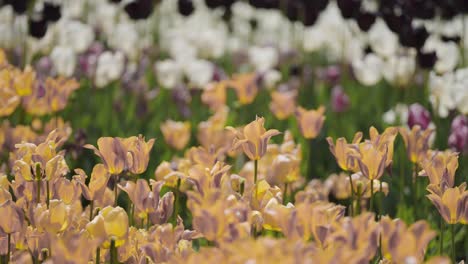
<point x="452" y="227"/>
<point x="285" y="194"/>
<point x="38" y="194"/>
<point x="91" y="208"/>
<point x="38" y="179"/>
<point x="132" y="213"/>
<point x="310" y="159"/>
<point x="116" y="191"/>
<point x="98" y="255"/>
<point x="48" y="193"/>
<point x="351" y="208"/>
<point x="441" y="238"/>
<point x="255" y="178"/>
<point x="381" y="197"/>
<point x="9" y="248"/>
<point x="112" y="252"/>
<point x="371" y="196"/>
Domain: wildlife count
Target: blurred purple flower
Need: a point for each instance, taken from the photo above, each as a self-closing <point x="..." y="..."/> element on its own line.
<point x="339" y="100"/>
<point x="418" y="115"/>
<point x="44" y="66"/>
<point x="458" y="138"/>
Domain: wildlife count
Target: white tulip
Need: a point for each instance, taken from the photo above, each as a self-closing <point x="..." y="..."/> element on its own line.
<point x="64" y="60"/>
<point x="382" y="40"/>
<point x="263" y="58"/>
<point x="368" y="69"/>
<point x="76" y="34"/>
<point x="109" y="68"/>
<point x="399" y="70"/>
<point x="199" y="72"/>
<point x="168" y="72"/>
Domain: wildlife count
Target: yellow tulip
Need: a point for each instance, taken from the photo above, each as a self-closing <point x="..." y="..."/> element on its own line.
<point x="310" y="121"/>
<point x="176" y="134"/>
<point x="254" y="138"/>
<point x="283" y="104"/>
<point x="110" y="224"/>
<point x="345" y="153"/>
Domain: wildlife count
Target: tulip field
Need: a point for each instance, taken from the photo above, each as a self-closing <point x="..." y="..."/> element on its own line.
<point x="233" y="131"/>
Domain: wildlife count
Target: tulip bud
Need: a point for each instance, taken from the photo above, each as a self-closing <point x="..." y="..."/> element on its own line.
<point x="418" y="115"/>
<point x="339" y="100"/>
<point x="458" y="138"/>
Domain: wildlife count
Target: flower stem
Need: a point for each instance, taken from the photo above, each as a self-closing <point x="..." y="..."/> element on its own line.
<point x="255" y="178"/>
<point x="371" y="207"/>
<point x="452" y="227"/>
<point x="9" y="248"/>
<point x="351" y="208"/>
<point x="441" y="238"/>
<point x="48" y="193"/>
<point x="38" y="179"/>
<point x="98" y="255"/>
<point x="116" y="191"/>
<point x="91" y="208"/>
<point x="285" y="194"/>
<point x="112" y="252"/>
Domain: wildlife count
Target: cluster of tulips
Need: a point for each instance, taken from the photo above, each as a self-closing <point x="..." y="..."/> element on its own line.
<point x="259" y="131"/>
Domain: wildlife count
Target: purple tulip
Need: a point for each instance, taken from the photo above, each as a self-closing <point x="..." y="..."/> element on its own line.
<point x="418" y="115"/>
<point x="339" y="100"/>
<point x="333" y="74"/>
<point x="458" y="138"/>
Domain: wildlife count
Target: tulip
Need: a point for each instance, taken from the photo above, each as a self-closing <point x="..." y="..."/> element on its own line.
<point x="283" y="104"/>
<point x="450" y="203"/>
<point x="54" y="219"/>
<point x="310" y="121"/>
<point x="418" y="115"/>
<point x="416" y="142"/>
<point x="214" y="95"/>
<point x="112" y="153"/>
<point x="111" y="224"/>
<point x="458" y="138"/>
<point x="344" y="152"/>
<point x="176" y="134"/>
<point x="400" y="243"/>
<point x="340" y="101"/>
<point x="440" y="167"/>
<point x="138" y="153"/>
<point x="254" y="138"/>
<point x="245" y="86"/>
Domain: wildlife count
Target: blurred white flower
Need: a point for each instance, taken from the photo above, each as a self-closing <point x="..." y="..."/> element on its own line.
<point x="271" y="78"/>
<point x="399" y="69"/>
<point x="125" y="38"/>
<point x="199" y="72"/>
<point x="109" y="68"/>
<point x="263" y="58"/>
<point x="168" y="72"/>
<point x="447" y="54"/>
<point x="76" y="35"/>
<point x="64" y="60"/>
<point x="382" y="40"/>
<point x="442" y="95"/>
<point x="397" y="115"/>
<point x="368" y="70"/>
<point x="314" y="39"/>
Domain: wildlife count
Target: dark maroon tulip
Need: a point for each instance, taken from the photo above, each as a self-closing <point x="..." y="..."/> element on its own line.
<point x="339" y="100"/>
<point x="418" y="115"/>
<point x="458" y="138"/>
